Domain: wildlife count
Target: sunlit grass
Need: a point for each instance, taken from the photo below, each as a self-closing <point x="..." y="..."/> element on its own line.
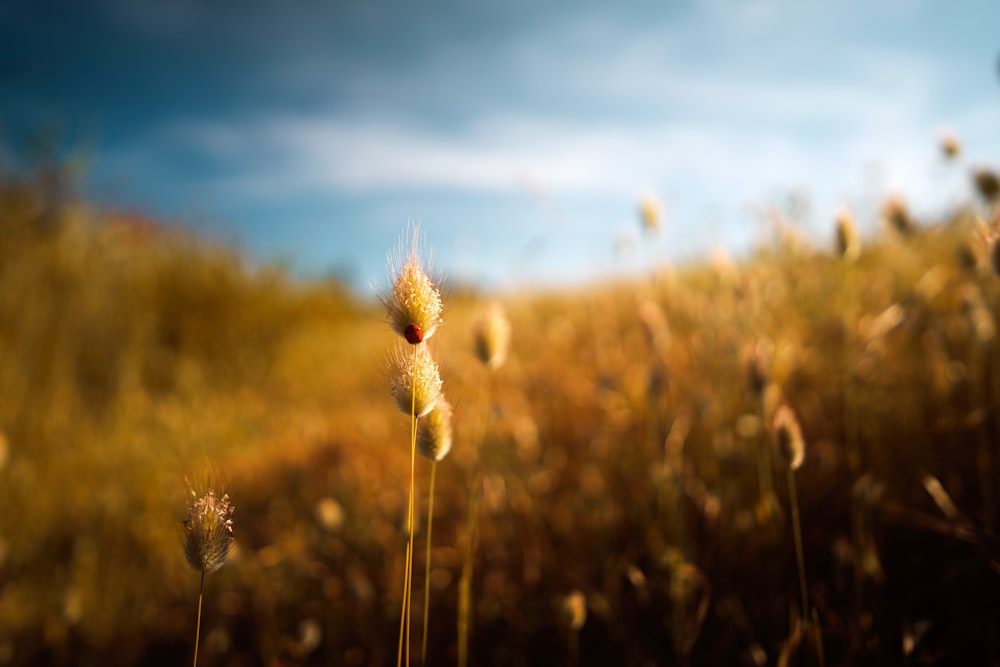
<point x="616" y="476"/>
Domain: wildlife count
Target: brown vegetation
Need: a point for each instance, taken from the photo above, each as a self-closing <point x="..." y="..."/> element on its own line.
<point x="621" y="517"/>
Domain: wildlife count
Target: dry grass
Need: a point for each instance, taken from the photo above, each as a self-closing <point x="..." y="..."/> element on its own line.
<point x="620" y="469"/>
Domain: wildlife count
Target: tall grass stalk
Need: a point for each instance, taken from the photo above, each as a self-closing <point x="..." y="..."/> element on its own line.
<point x="208" y="536"/>
<point x="491" y="342"/>
<point x="853" y="451"/>
<point x="790" y="448"/>
<point x="979" y="354"/>
<point x="464" y="623"/>
<point x="197" y="631"/>
<point x="414" y="312"/>
<point x="982" y="331"/>
<point x="758" y="381"/>
<point x="427" y="566"/>
<point x="465" y="583"/>
<point x="797" y="534"/>
<point x="404" y="620"/>
<point x="848" y="250"/>
<point x="433" y="442"/>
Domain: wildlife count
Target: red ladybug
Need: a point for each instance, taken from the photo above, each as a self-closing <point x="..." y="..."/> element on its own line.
<point x="413" y="334"/>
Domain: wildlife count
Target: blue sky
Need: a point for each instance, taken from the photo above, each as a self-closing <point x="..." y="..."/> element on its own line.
<point x="519" y="134"/>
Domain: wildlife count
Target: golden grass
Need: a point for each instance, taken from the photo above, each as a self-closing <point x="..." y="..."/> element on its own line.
<point x="620" y="469"/>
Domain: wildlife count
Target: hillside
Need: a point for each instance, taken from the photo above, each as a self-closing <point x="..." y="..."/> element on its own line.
<point x="630" y="507"/>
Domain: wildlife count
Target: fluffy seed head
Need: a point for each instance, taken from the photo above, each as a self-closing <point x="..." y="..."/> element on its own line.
<point x="967" y="257"/>
<point x="897" y="215"/>
<point x="414" y="306"/>
<point x="988" y="241"/>
<point x="950" y="146"/>
<point x="416" y="382"/>
<point x="977" y="314"/>
<point x="492" y="336"/>
<point x="573" y="610"/>
<point x="208" y="531"/>
<point x="788" y="440"/>
<point x="848" y="246"/>
<point x="987" y="183"/>
<point x="434" y="432"/>
<point x="651" y="214"/>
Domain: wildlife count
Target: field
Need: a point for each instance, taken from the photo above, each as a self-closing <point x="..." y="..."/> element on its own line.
<point x="615" y="479"/>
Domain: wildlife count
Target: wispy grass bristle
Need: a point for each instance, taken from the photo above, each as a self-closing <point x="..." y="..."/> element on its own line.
<point x="414" y="304"/>
<point x="414" y="312"/>
<point x="434" y="435"/>
<point x="416" y="381"/>
<point x="208" y="535"/>
<point x="208" y="531"/>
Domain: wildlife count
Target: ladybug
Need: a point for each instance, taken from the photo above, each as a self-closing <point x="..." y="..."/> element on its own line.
<point x="413" y="334"/>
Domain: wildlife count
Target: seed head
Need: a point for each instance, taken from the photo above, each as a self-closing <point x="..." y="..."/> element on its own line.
<point x="414" y="306"/>
<point x="967" y="257"/>
<point x="434" y="432"/>
<point x="492" y="336"/>
<point x="897" y="216"/>
<point x="987" y="183"/>
<point x="654" y="324"/>
<point x="573" y="610"/>
<point x="994" y="249"/>
<point x="988" y="239"/>
<point x="950" y="146"/>
<point x="416" y="382"/>
<point x="848" y="246"/>
<point x="651" y="214"/>
<point x="977" y="315"/>
<point x="208" y="531"/>
<point x="788" y="440"/>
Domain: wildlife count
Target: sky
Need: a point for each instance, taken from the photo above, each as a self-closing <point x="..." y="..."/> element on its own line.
<point x="519" y="135"/>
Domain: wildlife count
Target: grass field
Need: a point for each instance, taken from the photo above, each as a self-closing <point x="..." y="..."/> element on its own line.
<point x="630" y="508"/>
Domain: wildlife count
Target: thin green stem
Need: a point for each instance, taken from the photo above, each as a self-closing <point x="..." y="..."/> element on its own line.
<point x="197" y="632"/>
<point x="427" y="567"/>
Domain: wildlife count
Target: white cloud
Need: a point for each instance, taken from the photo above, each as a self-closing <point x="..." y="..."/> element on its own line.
<point x="730" y="105"/>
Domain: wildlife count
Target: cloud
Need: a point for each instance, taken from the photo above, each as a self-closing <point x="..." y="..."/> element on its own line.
<point x="597" y="108"/>
<point x="714" y="109"/>
<point x="571" y="156"/>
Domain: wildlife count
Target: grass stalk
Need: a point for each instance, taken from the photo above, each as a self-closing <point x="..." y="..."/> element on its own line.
<point x="197" y="632"/>
<point x="427" y="566"/>
<point x="404" y="623"/>
<point x="472" y="524"/>
<point x="797" y="531"/>
<point x="984" y="455"/>
<point x="465" y="583"/>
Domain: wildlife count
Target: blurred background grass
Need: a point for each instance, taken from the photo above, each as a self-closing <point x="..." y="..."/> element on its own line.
<point x="619" y="452"/>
